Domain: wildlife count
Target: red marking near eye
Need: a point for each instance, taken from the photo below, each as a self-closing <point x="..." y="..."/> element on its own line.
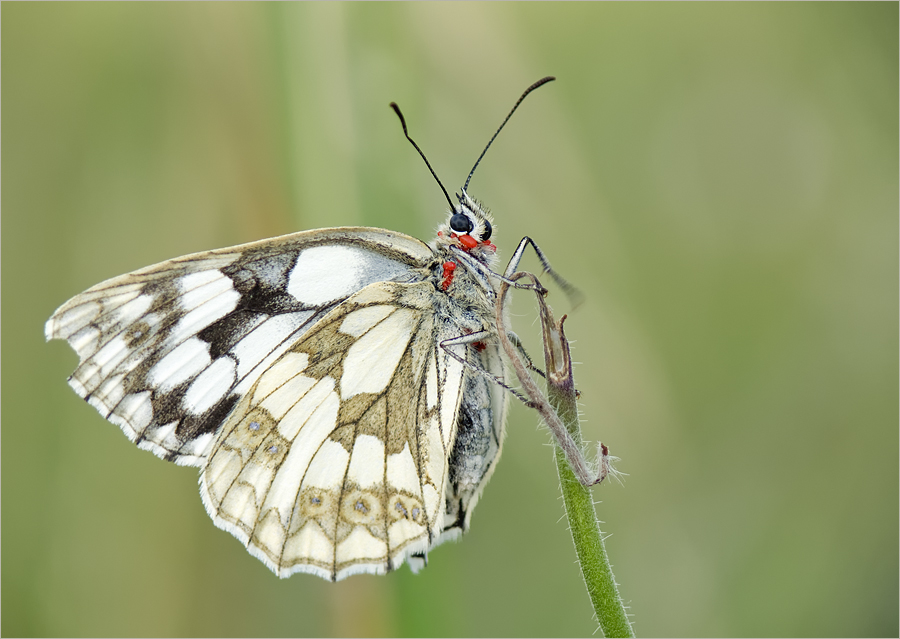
<point x="447" y="278"/>
<point x="487" y="244"/>
<point x="468" y="241"/>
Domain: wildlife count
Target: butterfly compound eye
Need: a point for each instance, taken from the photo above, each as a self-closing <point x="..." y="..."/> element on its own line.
<point x="487" y="231"/>
<point x="459" y="223"/>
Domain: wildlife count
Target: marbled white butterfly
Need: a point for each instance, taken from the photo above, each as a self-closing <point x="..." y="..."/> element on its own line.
<point x="337" y="387"/>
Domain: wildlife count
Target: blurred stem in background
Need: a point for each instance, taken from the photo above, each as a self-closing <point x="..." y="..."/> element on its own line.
<point x="312" y="101"/>
<point x="560" y="413"/>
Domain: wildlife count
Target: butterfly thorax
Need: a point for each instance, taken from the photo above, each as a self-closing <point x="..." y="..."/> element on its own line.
<point x="464" y="304"/>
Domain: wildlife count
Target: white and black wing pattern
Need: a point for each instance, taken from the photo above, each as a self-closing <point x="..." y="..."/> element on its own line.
<point x="167" y="352"/>
<point x="306" y="375"/>
<point x="335" y="460"/>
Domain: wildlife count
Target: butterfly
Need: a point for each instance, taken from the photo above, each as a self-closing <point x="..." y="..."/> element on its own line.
<point x="341" y="389"/>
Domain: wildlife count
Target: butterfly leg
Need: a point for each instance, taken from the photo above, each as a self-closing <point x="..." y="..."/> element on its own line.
<point x="475" y="338"/>
<point x="517" y="342"/>
<point x="575" y="296"/>
<point x="484" y="271"/>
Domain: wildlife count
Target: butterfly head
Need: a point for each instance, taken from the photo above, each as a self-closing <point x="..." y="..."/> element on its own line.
<point x="468" y="227"/>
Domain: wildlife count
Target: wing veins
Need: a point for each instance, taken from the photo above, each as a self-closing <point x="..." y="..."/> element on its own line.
<point x="281" y="463"/>
<point x="141" y="437"/>
<point x="419" y="462"/>
<point x="337" y="520"/>
<point x="290" y="521"/>
<point x="151" y="352"/>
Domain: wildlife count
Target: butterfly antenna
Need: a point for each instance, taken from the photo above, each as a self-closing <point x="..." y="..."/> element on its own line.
<point x="427" y="163"/>
<point x="534" y="86"/>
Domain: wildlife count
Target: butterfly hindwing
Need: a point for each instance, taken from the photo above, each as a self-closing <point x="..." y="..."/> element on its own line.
<point x="336" y="459"/>
<point x="167" y="351"/>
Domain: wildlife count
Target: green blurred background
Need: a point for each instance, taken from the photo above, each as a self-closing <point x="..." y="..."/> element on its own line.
<point x="721" y="180"/>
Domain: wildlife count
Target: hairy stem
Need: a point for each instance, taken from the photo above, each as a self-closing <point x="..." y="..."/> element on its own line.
<point x="560" y="412"/>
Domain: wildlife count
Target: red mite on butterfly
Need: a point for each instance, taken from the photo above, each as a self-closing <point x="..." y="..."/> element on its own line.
<point x="447" y="277"/>
<point x="469" y="243"/>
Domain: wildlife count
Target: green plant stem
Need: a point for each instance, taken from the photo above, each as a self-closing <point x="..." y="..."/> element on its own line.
<point x="560" y="412"/>
<point x="584" y="526"/>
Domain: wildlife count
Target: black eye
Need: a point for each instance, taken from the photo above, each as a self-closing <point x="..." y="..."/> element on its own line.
<point x="459" y="223"/>
<point x="487" y="231"/>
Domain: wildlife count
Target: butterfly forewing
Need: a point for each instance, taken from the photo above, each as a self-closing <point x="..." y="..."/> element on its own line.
<point x="166" y="352"/>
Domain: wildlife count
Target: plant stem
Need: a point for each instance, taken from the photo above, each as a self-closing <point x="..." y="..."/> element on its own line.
<point x="560" y="412"/>
<point x="583" y="524"/>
